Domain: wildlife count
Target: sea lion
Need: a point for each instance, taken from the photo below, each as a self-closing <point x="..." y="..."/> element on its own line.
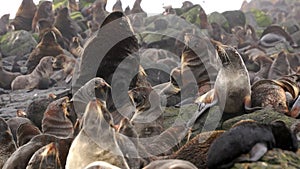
<point x="147" y="118"/>
<point x="24" y="16"/>
<point x="66" y="25"/>
<point x="170" y="164"/>
<point x="47" y="47"/>
<point x="232" y="90"/>
<point x="26" y="132"/>
<point x="4" y="22"/>
<point x="195" y="151"/>
<point x="100" y="165"/>
<point x="6" y="77"/>
<point x="7" y="144"/>
<point x="45" y="157"/>
<point x="45" y="12"/>
<point x="117" y="6"/>
<point x="55" y="120"/>
<point x="31" y="81"/>
<point x="247" y="137"/>
<point x="67" y="65"/>
<point x="88" y="147"/>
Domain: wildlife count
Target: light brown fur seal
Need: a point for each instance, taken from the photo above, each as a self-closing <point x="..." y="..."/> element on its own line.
<point x="47" y="47"/>
<point x="96" y="141"/>
<point x="24" y="16"/>
<point x="31" y="81"/>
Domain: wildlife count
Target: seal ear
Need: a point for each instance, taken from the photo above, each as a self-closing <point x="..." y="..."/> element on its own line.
<point x="111" y="17"/>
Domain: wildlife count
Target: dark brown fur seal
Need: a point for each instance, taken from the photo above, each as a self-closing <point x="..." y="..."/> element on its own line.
<point x="55" y="120"/>
<point x="7" y="144"/>
<point x="280" y="66"/>
<point x="14" y="124"/>
<point x="45" y="12"/>
<point x="264" y="63"/>
<point x="245" y="136"/>
<point x="4" y="23"/>
<point x="24" y="16"/>
<point x="147" y="119"/>
<point x="26" y="132"/>
<point x="65" y="24"/>
<point x="31" y="81"/>
<point x="6" y="77"/>
<point x="47" y="47"/>
<point x="195" y="151"/>
<point x="88" y="146"/>
<point x="45" y="157"/>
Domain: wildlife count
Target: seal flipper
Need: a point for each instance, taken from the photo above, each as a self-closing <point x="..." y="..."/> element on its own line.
<point x="257" y="151"/>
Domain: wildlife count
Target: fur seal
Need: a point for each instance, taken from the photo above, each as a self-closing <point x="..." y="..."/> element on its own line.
<point x="264" y="63"/>
<point x="170" y="164"/>
<point x="14" y="124"/>
<point x="232" y="90"/>
<point x="99" y="12"/>
<point x="55" y="120"/>
<point x="45" y="12"/>
<point x="7" y="144"/>
<point x="101" y="165"/>
<point x="6" y="77"/>
<point x="31" y="81"/>
<point x="66" y="25"/>
<point x="45" y="157"/>
<point x="88" y="147"/>
<point x="117" y="6"/>
<point x="280" y="67"/>
<point x="147" y="119"/>
<point x="247" y="137"/>
<point x="195" y="151"/>
<point x="137" y="9"/>
<point x="67" y="65"/>
<point x="4" y="22"/>
<point x="47" y="47"/>
<point x="26" y="132"/>
<point x="24" y="16"/>
<point x="75" y="47"/>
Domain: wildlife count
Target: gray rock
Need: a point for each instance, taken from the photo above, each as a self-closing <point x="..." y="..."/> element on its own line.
<point x="17" y="43"/>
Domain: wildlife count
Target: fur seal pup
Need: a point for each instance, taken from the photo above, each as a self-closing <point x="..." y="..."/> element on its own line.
<point x="170" y="164"/>
<point x="31" y="81"/>
<point x="45" y="157"/>
<point x="26" y="132"/>
<point x="24" y="16"/>
<point x="6" y="77"/>
<point x="249" y="137"/>
<point x="232" y="90"/>
<point x="55" y="120"/>
<point x="45" y="12"/>
<point x="47" y="47"/>
<point x="7" y="144"/>
<point x="88" y="147"/>
<point x="117" y="6"/>
<point x="67" y="65"/>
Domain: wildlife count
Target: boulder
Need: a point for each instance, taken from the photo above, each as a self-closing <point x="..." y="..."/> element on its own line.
<point x="17" y="43"/>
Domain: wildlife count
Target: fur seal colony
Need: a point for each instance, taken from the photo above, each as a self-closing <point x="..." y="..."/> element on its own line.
<point x="115" y="113"/>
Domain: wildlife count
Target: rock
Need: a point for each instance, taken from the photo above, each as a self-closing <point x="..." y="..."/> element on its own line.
<point x="263" y="116"/>
<point x="192" y="15"/>
<point x="17" y="43"/>
<point x="262" y="19"/>
<point x="219" y="19"/>
<point x="274" y="159"/>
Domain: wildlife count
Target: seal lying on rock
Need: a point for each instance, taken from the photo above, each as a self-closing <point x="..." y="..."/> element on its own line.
<point x="249" y="137"/>
<point x="40" y="74"/>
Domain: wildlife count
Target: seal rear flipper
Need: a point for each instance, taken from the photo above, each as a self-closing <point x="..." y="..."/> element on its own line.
<point x="257" y="152"/>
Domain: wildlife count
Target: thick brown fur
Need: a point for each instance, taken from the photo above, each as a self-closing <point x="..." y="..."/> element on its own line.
<point x="43" y="71"/>
<point x="44" y="11"/>
<point x="24" y="16"/>
<point x="47" y="47"/>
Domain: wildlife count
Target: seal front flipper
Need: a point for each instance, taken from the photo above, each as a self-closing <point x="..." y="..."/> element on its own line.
<point x="257" y="151"/>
